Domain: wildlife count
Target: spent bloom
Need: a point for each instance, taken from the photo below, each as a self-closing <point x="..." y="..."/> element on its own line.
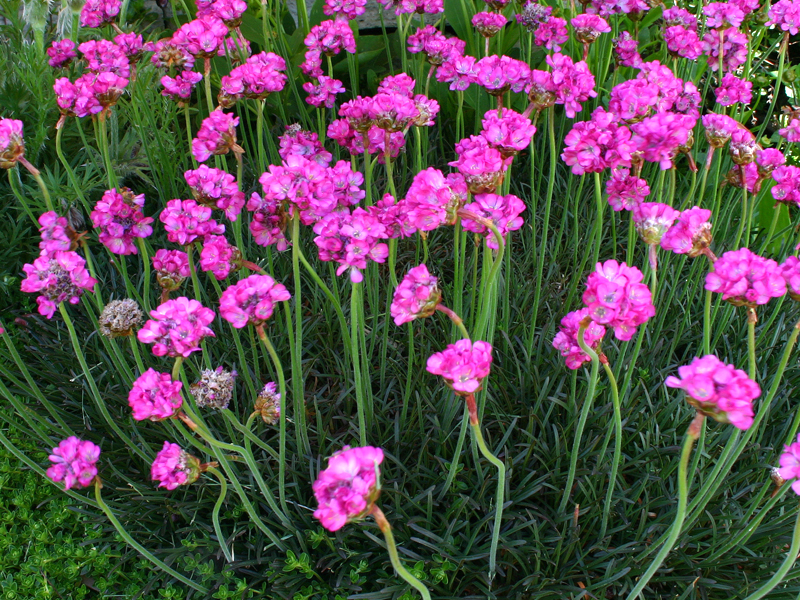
<point x="174" y="467"/>
<point x="416" y="297"/>
<point x="717" y="390"/>
<point x="690" y="234"/>
<point x="616" y="297"/>
<point x="252" y="300"/>
<point x="215" y="388"/>
<point x="155" y="396"/>
<point x="119" y="217"/>
<point x="61" y="53"/>
<point x="463" y="365"/>
<point x="790" y="460"/>
<point x="217" y="189"/>
<point x="74" y="463"/>
<point x="177" y="327"/>
<point x="57" y="277"/>
<point x="12" y="144"/>
<point x="566" y="340"/>
<point x="268" y="404"/>
<point x="624" y="190"/>
<point x="746" y="279"/>
<point x="652" y="220"/>
<point x="216" y="136"/>
<point x="502" y="211"/>
<point x="348" y="488"/>
<point x="186" y="220"/>
<point x="219" y="257"/>
<point x="171" y="267"/>
<point x="119" y="318"/>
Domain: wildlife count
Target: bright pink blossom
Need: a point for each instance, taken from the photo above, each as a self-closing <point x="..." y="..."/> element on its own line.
<point x="171" y="267"/>
<point x="573" y="81"/>
<point x="790" y="457"/>
<point x="499" y="74"/>
<point x="96" y="13"/>
<point x="296" y="141"/>
<point x="436" y="47"/>
<point x="746" y="279"/>
<point x="507" y="131"/>
<point x="393" y="216"/>
<point x="417" y="296"/>
<point x="252" y="300"/>
<point x="717" y="390"/>
<point x="323" y="93"/>
<point x="74" y="463"/>
<point x="201" y="37"/>
<point x="215" y="188"/>
<point x="120" y="219"/>
<point x="155" y="396"/>
<point x="626" y="51"/>
<point x="502" y="211"/>
<point x="488" y="24"/>
<point x="792" y="131"/>
<point x="350" y="239"/>
<point x="131" y="44"/>
<point x="600" y="143"/>
<point x="690" y="234"/>
<point x="787" y="184"/>
<point x="61" y="53"/>
<point x="588" y="27"/>
<point x="463" y="365"/>
<point x="433" y="199"/>
<point x="551" y="33"/>
<point x="216" y="136"/>
<point x="458" y="71"/>
<point x="683" y="42"/>
<point x="303" y="183"/>
<point x="176" y="327"/>
<point x="174" y="467"/>
<point x="180" y="87"/>
<point x="57" y="277"/>
<point x="186" y="220"/>
<point x="219" y="257"/>
<point x="679" y="16"/>
<point x="660" y="137"/>
<point x="54" y="233"/>
<point x="790" y="270"/>
<point x="624" y="190"/>
<point x="268" y="223"/>
<point x="482" y="166"/>
<point x="349" y="9"/>
<point x="723" y="14"/>
<point x="348" y="488"/>
<point x="652" y="220"/>
<point x="733" y="90"/>
<point x="103" y="55"/>
<point x="566" y="340"/>
<point x="786" y="15"/>
<point x="734" y="48"/>
<point x="261" y="75"/>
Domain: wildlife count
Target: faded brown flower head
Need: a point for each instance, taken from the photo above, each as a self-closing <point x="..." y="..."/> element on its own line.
<point x="120" y="318"/>
<point x="215" y="388"/>
<point x="268" y="404"/>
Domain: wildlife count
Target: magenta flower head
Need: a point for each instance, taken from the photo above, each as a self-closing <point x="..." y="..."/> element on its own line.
<point x="589" y="27"/>
<point x="61" y="53"/>
<point x="186" y="220"/>
<point x="74" y="463"/>
<point x="323" y="93"/>
<point x="261" y="75"/>
<point x="349" y="9"/>
<point x="597" y="144"/>
<point x="499" y="74"/>
<point x="507" y="131"/>
<point x="155" y="396"/>
<point x="433" y="199"/>
<point x="690" y="234"/>
<point x="502" y="211"/>
<point x="625" y="191"/>
<point x="566" y="340"/>
<point x="719" y="129"/>
<point x="416" y="297"/>
<point x="481" y="166"/>
<point x="202" y="37"/>
<point x="96" y="13"/>
<point x="179" y="88"/>
<point x="792" y="131"/>
<point x="659" y="138"/>
<point x="652" y="220"/>
<point x="541" y="90"/>
<point x="349" y="487"/>
<point x="734" y="49"/>
<point x="616" y="297"/>
<point x="746" y="279"/>
<point x="790" y="270"/>
<point x="786" y="15"/>
<point x="489" y="24"/>
<point x="177" y="327"/>
<point x="219" y="257"/>
<point x="174" y="467"/>
<point x="790" y="461"/>
<point x="573" y="81"/>
<point x="626" y="51"/>
<point x="102" y="55"/>
<point x="216" y="189"/>
<point x="55" y="233"/>
<point x="171" y="267"/>
<point x="58" y="277"/>
<point x="723" y="14"/>
<point x="350" y="239"/>
<point x="216" y="136"/>
<point x="733" y="90"/>
<point x="120" y="219"/>
<point x="463" y="365"/>
<point x="787" y="184"/>
<point x="717" y="390"/>
<point x="252" y="300"/>
<point x="12" y="144"/>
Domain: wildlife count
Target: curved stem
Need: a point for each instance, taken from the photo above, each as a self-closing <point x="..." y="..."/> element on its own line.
<point x="223" y="492"/>
<point x="102" y="142"/>
<point x="791" y="557"/>
<point x="617" y="446"/>
<point x="391" y="547"/>
<point x="12" y="182"/>
<point x="146" y="264"/>
<point x="455" y="319"/>
<point x="139" y="548"/>
<point x="683" y="492"/>
<point x="38" y="177"/>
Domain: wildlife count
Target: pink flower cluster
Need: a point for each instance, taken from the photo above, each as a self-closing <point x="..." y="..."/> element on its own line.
<point x="734" y="48"/>
<point x="433" y="200"/>
<point x="12" y="143"/>
<point x="548" y="31"/>
<point x="252" y="300"/>
<point x="436" y="47"/>
<point x="573" y="82"/>
<point x="216" y="136"/>
<point x="176" y="327"/>
<point x="174" y="467"/>
<point x="507" y="131"/>
<point x="417" y="296"/>
<point x="179" y="88"/>
<point x="155" y="396"/>
<point x="489" y="24"/>
<point x="690" y="234"/>
<point x="348" y="488"/>
<point x="61" y="53"/>
<point x="787" y="184"/>
<point x="90" y="94"/>
<point x="786" y="15"/>
<point x="96" y="13"/>
<point x="54" y="232"/>
<point x="328" y="38"/>
<point x="260" y="76"/>
<point x="659" y="138"/>
<point x="74" y="463"/>
<point x="103" y="55"/>
<point x="350" y="239"/>
<point x="219" y="257"/>
<point x="717" y="390"/>
<point x="790" y="457"/>
<point x="215" y="188"/>
<point x="58" y="277"/>
<point x="499" y="74"/>
<point x="652" y="220"/>
<point x="186" y="220"/>
<point x="298" y="142"/>
<point x="597" y="144"/>
<point x="463" y="365"/>
<point x="733" y="90"/>
<point x="407" y="7"/>
<point x="616" y="297"/>
<point x="481" y="165"/>
<point x="566" y="340"/>
<point x="228" y="11"/>
<point x="349" y="9"/>
<point x="172" y="267"/>
<point x="746" y="279"/>
<point x="502" y="211"/>
<point x="203" y="37"/>
<point x="790" y="271"/>
<point x="624" y="190"/>
<point x="626" y="50"/>
<point x="588" y="27"/>
<point x="120" y="219"/>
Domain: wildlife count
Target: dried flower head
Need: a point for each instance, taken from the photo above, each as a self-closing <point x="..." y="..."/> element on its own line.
<point x="268" y="404"/>
<point x="120" y="317"/>
<point x="215" y="388"/>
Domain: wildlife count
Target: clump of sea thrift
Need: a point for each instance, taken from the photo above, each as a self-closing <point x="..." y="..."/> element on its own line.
<point x="746" y="279"/>
<point x="174" y="467"/>
<point x="268" y="404"/>
<point x="349" y="487"/>
<point x="416" y="297"/>
<point x="216" y="189"/>
<point x="351" y="239"/>
<point x="215" y="388"/>
<point x="61" y="53"/>
<point x="625" y="191"/>
<point x="566" y="340"/>
<point x="155" y="396"/>
<point x="219" y="257"/>
<point x="462" y="365"/>
<point x="216" y="136"/>
<point x="717" y="390"/>
<point x="74" y="463"/>
<point x="119" y="318"/>
<point x="501" y="211"/>
<point x="177" y="327"/>
<point x="252" y="300"/>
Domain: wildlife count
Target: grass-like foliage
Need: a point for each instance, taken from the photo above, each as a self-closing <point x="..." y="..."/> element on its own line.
<point x="480" y="465"/>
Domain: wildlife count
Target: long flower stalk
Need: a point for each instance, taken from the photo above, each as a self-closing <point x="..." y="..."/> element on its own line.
<point x="391" y="548"/>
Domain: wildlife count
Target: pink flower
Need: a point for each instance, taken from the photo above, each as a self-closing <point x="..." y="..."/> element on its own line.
<point x="416" y="297"/>
<point x="228" y="11"/>
<point x="458" y="71"/>
<point x="407" y="7"/>
<point x="719" y="129"/>
<point x="679" y="16"/>
<point x="180" y="87"/>
<point x="57" y="277"/>
<point x="12" y="144"/>
<point x="120" y="219"/>
<point x="215" y="188"/>
<point x="348" y="488"/>
<point x="296" y="141"/>
<point x="185" y="221"/>
<point x="541" y="90"/>
<point x="482" y="166"/>
<point x="392" y="112"/>
<point x="589" y="27"/>
<point x="402" y="83"/>
<point x="304" y="184"/>
<point x="787" y="184"/>
<point x="202" y="37"/>
<point x="499" y="74"/>
<point x="614" y="7"/>
<point x="331" y="37"/>
<point x="746" y="279"/>
<point x="634" y="99"/>
<point x="174" y="467"/>
<point x="61" y="53"/>
<point x="90" y="94"/>
<point x="393" y="216"/>
<point x="616" y="297"/>
<point x="96" y="13"/>
<point x="769" y="159"/>
<point x="573" y="81"/>
<point x="177" y="327"/>
<point x="349" y="9"/>
<point x="626" y="51"/>
<point x="323" y="93"/>
<point x="74" y="463"/>
<point x="216" y="136"/>
<point x="600" y="143"/>
<point x="792" y="131"/>
<point x="683" y="42"/>
<point x="503" y="211"/>
<point x="252" y="300"/>
<point x="790" y="458"/>
<point x="790" y="270"/>
<point x="131" y="44"/>
<point x="488" y="24"/>
<point x="219" y="257"/>
<point x="733" y="90"/>
<point x="786" y="15"/>
<point x="102" y="55"/>
<point x="54" y="233"/>
<point x="155" y="396"/>
<point x="717" y="390"/>
<point x="690" y="234"/>
<point x="509" y="132"/>
<point x="743" y="146"/>
<point x="723" y="14"/>
<point x="734" y="48"/>
<point x="652" y="220"/>
<point x="660" y="137"/>
<point x="566" y="340"/>
<point x="433" y="199"/>
<point x="463" y="365"/>
<point x="350" y="239"/>
<point x="260" y="76"/>
<point x="625" y="191"/>
<point x="436" y="47"/>
<point x="172" y="267"/>
<point x="267" y="225"/>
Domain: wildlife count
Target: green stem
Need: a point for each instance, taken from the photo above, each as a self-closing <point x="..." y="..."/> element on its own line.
<point x="73" y="179"/>
<point x="354" y="350"/>
<point x="751" y="342"/>
<point x="38" y="177"/>
<point x="791" y="557"/>
<point x="141" y="549"/>
<point x="617" y="446"/>
<point x="223" y="491"/>
<point x="707" y="323"/>
<point x="102" y="142"/>
<point x="457" y="321"/>
<point x="146" y="265"/>
<point x="297" y="350"/>
<point x="391" y="547"/>
<point x="12" y="182"/>
<point x="598" y="227"/>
